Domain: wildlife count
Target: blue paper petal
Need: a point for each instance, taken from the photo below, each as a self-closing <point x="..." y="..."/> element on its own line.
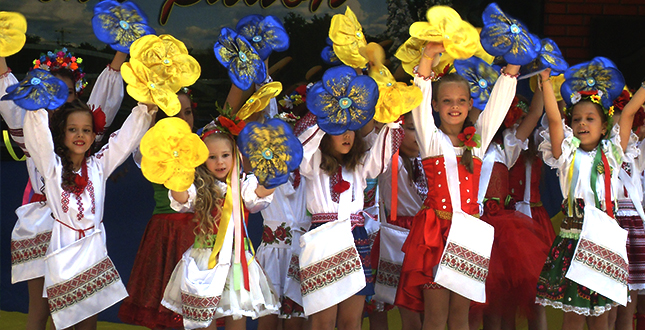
<point x="336" y="80"/>
<point x="505" y="36"/>
<point x="599" y="74"/>
<point x="39" y="89"/>
<point x="481" y="79"/>
<point x="272" y="149"/>
<point x="265" y="34"/>
<point x="550" y="56"/>
<point x="329" y="56"/>
<point x="244" y="64"/>
<point x="119" y="24"/>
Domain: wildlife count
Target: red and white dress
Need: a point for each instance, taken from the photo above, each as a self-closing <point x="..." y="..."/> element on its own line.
<point x="430" y="228"/>
<point x="32" y="232"/>
<point x="80" y="279"/>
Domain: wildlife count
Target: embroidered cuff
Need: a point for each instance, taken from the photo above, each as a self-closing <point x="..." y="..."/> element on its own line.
<point x="112" y="69"/>
<point x="501" y="71"/>
<point x="4" y="75"/>
<point x="432" y="77"/>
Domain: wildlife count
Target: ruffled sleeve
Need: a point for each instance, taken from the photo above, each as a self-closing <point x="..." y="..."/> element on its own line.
<point x="252" y="202"/>
<point x="513" y="146"/>
<point x="495" y="111"/>
<point x="423" y="119"/>
<point x="12" y="114"/>
<point x="311" y="156"/>
<point x="640" y="160"/>
<point x="569" y="144"/>
<point x="612" y="148"/>
<point x="632" y="152"/>
<point x="189" y="206"/>
<point x="107" y="94"/>
<point x="377" y="158"/>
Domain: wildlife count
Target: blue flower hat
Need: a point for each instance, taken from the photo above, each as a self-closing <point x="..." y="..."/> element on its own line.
<point x="343" y="100"/>
<point x="550" y="57"/>
<point x="600" y="74"/>
<point x="481" y="77"/>
<point x="328" y="55"/>
<point x="505" y="36"/>
<point x="119" y="24"/>
<point x="272" y="149"/>
<point x="39" y="89"/>
<point x="244" y="64"/>
<point x="266" y="34"/>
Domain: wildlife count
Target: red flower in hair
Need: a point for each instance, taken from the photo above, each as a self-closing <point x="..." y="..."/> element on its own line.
<point x="588" y="93"/>
<point x="513" y="114"/>
<point x="621" y="101"/>
<point x="232" y="127"/>
<point x="469" y="137"/>
<point x="639" y="119"/>
<point x="302" y="90"/>
<point x="99" y="120"/>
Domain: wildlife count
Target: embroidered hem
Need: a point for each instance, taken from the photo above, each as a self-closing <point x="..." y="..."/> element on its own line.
<point x="597" y="311"/>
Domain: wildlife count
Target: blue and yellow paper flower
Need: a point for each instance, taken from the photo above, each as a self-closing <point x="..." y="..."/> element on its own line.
<point x="343" y="100"/>
<point x="244" y="64"/>
<point x="481" y="77"/>
<point x="272" y="150"/>
<point x="259" y="100"/>
<point x="327" y="54"/>
<point x="168" y="58"/>
<point x="599" y="74"/>
<point x="266" y="34"/>
<point x="38" y="90"/>
<point x="550" y="57"/>
<point x="146" y="86"/>
<point x="347" y="35"/>
<point x="13" y="27"/>
<point x="170" y="153"/>
<point x="119" y="24"/>
<point x="505" y="36"/>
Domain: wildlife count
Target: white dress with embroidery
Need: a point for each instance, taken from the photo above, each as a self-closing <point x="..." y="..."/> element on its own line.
<point x="80" y="279"/>
<point x="285" y="220"/>
<point x="261" y="300"/>
<point x="32" y="232"/>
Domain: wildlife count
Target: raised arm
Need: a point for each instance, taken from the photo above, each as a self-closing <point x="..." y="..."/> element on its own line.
<point x="423" y="119"/>
<point x="39" y="142"/>
<point x="556" y="130"/>
<point x="530" y="121"/>
<point x="107" y="92"/>
<point x="627" y="116"/>
<point x="12" y="114"/>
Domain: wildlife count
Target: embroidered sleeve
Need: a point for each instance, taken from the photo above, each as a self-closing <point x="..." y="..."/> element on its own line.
<point x="311" y="156"/>
<point x="496" y="108"/>
<point x="613" y="149"/>
<point x="187" y="207"/>
<point x="569" y="144"/>
<point x="252" y="202"/>
<point x="39" y="143"/>
<point x="513" y="146"/>
<point x="423" y="119"/>
<point x="12" y="114"/>
<point x="123" y="141"/>
<point x="378" y="158"/>
<point x="107" y="94"/>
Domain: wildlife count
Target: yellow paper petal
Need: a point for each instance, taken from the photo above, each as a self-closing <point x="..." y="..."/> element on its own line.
<point x="192" y="151"/>
<point x="156" y="172"/>
<point x="396" y="100"/>
<point x="147" y="87"/>
<point x="12" y="32"/>
<point x="556" y="81"/>
<point x="260" y="99"/>
<point x="410" y="54"/>
<point x="459" y="38"/>
<point x="347" y="35"/>
<point x="181" y="179"/>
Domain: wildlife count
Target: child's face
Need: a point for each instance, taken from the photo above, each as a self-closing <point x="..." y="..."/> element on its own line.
<point x="79" y="133"/>
<point x="220" y="157"/>
<point x="343" y="143"/>
<point x="409" y="147"/>
<point x="71" y="96"/>
<point x="587" y="125"/>
<point x="453" y="103"/>
<point x="186" y="112"/>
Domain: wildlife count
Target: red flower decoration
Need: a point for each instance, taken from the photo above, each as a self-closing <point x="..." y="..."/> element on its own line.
<point x="267" y="235"/>
<point x="280" y="233"/>
<point x="513" y="114"/>
<point x="469" y="137"/>
<point x="492" y="207"/>
<point x="621" y="101"/>
<point x="639" y="118"/>
<point x="341" y="186"/>
<point x="99" y="120"/>
<point x="588" y="93"/>
<point x="302" y="90"/>
<point x="232" y="127"/>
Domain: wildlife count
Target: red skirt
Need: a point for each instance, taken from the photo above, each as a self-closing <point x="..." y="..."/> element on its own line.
<point x="166" y="238"/>
<point x="518" y="255"/>
<point x="545" y="226"/>
<point x="423" y="250"/>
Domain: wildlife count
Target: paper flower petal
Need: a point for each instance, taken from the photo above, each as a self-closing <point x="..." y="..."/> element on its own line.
<point x="38" y="90"/>
<point x="549" y="57"/>
<point x="555" y="81"/>
<point x="145" y="86"/>
<point x="396" y="100"/>
<point x="170" y="152"/>
<point x="168" y="58"/>
<point x="347" y="35"/>
<point x="600" y="74"/>
<point x="505" y="36"/>
<point x="272" y="149"/>
<point x="459" y="38"/>
<point x="13" y="27"/>
<point x="244" y="64"/>
<point x="260" y="99"/>
<point x="119" y="24"/>
<point x="266" y="34"/>
<point x="481" y="77"/>
<point x="343" y="101"/>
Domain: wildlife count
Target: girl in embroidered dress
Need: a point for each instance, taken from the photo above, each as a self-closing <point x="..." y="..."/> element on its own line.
<point x="31" y="234"/>
<point x="75" y="185"/>
<point x="336" y="168"/>
<point x="564" y="149"/>
<point x="423" y="248"/>
<point x="208" y="198"/>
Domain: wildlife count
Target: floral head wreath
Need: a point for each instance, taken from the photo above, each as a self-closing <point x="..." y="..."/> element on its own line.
<point x="594" y="96"/>
<point x="296" y="98"/>
<point x="189" y="93"/>
<point x="518" y="107"/>
<point x="225" y="123"/>
<point x="62" y="59"/>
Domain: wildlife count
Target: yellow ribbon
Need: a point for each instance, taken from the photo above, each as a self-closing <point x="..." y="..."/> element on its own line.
<point x="227" y="211"/>
<point x="7" y="144"/>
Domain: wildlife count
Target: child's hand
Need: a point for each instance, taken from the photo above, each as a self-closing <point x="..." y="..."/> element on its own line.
<point x="433" y="48"/>
<point x="545" y="75"/>
<point x="262" y="191"/>
<point x="152" y="108"/>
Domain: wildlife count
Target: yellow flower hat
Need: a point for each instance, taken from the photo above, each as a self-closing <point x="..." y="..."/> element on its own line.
<point x="145" y="86"/>
<point x="459" y="38"/>
<point x="259" y="100"/>
<point x="13" y="27"/>
<point x="171" y="152"/>
<point x="395" y="98"/>
<point x="347" y="35"/>
<point x="168" y="58"/>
